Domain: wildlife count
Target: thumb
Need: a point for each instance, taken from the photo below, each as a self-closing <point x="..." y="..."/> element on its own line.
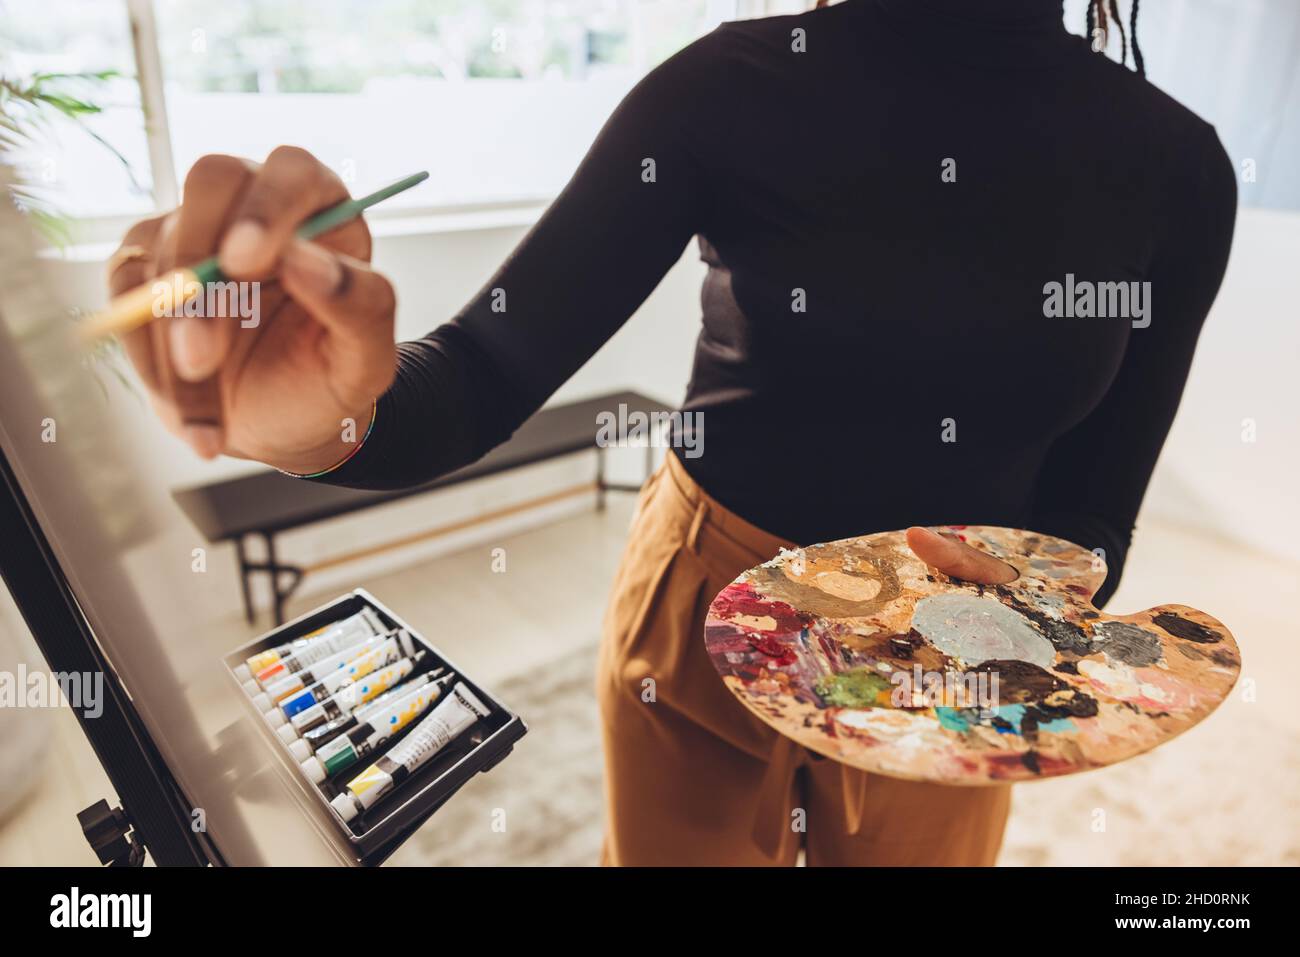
<point x="957" y="559"/>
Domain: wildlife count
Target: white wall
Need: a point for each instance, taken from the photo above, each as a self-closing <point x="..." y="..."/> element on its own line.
<point x="1208" y="478"/>
<point x="1247" y="367"/>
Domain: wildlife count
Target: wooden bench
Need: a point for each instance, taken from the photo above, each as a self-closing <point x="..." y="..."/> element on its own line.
<point x="264" y="504"/>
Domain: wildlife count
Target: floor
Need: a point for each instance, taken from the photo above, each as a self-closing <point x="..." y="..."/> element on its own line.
<point x="488" y="631"/>
<point x="553" y="609"/>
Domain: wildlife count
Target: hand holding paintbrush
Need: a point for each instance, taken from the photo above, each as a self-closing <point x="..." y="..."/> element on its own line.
<point x="294" y="385"/>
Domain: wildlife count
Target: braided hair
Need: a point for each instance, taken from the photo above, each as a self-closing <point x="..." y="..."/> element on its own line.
<point x="1100" y="14"/>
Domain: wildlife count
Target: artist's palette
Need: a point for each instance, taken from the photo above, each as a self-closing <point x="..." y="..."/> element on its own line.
<point x="859" y="651"/>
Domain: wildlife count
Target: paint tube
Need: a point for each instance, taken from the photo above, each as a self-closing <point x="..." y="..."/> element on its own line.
<point x="351" y="696"/>
<point x="291" y="668"/>
<point x="278" y="690"/>
<point x="306" y="723"/>
<point x="332" y="672"/>
<point x="326" y="641"/>
<point x="318" y="650"/>
<point x="453" y="715"/>
<point x="348" y="748"/>
<point x="386" y="653"/>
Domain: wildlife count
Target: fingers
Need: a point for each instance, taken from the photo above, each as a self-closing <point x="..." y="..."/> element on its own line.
<point x="957" y="559"/>
<point x="248" y="215"/>
<point x="199" y="344"/>
<point x="356" y="306"/>
<point x="289" y="188"/>
<point x="189" y="349"/>
<point x="134" y="263"/>
<point x="135" y="258"/>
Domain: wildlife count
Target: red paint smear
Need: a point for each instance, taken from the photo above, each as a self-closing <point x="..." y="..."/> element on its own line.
<point x="740" y="598"/>
<point x="774" y="649"/>
<point x="722" y="637"/>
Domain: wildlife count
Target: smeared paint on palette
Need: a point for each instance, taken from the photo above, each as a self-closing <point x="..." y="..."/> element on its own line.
<point x="859" y="651"/>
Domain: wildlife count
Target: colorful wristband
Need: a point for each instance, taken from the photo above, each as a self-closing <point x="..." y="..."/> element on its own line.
<point x="374" y="412"/>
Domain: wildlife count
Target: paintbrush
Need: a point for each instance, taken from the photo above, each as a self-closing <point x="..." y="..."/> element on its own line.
<point x="135" y="307"/>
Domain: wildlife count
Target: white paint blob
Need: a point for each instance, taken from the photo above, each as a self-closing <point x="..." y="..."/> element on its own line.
<point x="978" y="629"/>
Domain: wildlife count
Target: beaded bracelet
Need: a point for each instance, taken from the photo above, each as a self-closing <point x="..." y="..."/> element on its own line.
<point x="374" y="412"/>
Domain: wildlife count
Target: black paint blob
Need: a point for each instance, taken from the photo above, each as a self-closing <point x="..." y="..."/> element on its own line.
<point x="1064" y="635"/>
<point x="1180" y="627"/>
<point x="1020" y="682"/>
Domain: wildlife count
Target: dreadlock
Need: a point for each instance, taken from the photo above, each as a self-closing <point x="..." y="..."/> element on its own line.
<point x="1138" y="63"/>
<point x="1123" y="39"/>
<point x="1100" y="14"/>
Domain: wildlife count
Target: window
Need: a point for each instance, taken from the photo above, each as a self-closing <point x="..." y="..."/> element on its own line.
<point x="498" y="99"/>
<point x="60" y="157"/>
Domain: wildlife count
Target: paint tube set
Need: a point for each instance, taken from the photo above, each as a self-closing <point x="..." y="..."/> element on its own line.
<point x="367" y="712"/>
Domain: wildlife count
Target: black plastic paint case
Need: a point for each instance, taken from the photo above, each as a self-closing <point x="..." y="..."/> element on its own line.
<point x="373" y="835"/>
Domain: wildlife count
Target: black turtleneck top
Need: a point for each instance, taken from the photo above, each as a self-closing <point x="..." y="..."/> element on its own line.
<point x="884" y="192"/>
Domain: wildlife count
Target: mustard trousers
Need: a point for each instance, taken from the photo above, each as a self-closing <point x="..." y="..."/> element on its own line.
<point x="691" y="777"/>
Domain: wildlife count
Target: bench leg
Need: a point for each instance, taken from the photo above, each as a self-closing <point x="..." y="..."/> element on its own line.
<point x="281" y="588"/>
<point x="604" y="485"/>
<point x="601" y="486"/>
<point x="280" y="593"/>
<point x="245" y="570"/>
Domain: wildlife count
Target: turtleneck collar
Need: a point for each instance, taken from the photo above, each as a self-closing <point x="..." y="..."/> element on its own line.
<point x="1010" y="33"/>
<point x="984" y="13"/>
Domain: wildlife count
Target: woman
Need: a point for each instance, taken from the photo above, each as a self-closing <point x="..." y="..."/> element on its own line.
<point x="885" y="193"/>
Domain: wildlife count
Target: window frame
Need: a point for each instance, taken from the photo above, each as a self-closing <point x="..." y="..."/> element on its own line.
<point x="162" y="166"/>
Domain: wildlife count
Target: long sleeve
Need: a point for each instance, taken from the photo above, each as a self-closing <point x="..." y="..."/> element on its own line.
<point x="1095" y="475"/>
<point x="599" y="250"/>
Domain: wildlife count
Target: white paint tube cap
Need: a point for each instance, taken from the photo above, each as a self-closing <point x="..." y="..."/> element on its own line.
<point x="346" y="807"/>
<point x="242" y="673"/>
<point x="262" y="701"/>
<point x="252" y="688"/>
<point x="314" y="770"/>
<point x="300" y="751"/>
<point x="287" y="732"/>
<point x="275" y="717"/>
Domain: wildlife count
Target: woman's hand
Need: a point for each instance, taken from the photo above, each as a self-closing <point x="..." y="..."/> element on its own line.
<point x="288" y="380"/>
<point x="957" y="559"/>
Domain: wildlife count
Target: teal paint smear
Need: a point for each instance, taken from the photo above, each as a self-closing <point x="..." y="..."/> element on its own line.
<point x="1014" y="713"/>
<point x="950" y="719"/>
<point x="953" y="719"/>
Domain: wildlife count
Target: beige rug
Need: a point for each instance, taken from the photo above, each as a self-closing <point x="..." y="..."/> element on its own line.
<point x="1225" y="793"/>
